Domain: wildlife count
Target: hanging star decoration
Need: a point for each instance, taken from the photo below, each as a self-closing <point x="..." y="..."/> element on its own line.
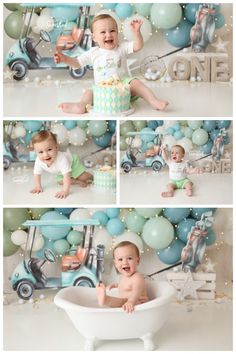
<point x="220" y="45"/>
<point x="188" y="286"/>
<point x="8" y="74"/>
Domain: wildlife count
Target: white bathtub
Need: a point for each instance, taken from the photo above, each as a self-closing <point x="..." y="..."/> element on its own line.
<point x="93" y="322"/>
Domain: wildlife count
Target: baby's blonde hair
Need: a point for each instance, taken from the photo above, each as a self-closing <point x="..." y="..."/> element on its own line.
<point x="102" y="17"/>
<point x="43" y="135"/>
<point x="124" y="244"/>
<point x="179" y="147"/>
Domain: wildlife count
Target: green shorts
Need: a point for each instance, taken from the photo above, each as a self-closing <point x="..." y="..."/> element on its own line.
<point x="77" y="168"/>
<point x="180" y="184"/>
<point x="127" y="80"/>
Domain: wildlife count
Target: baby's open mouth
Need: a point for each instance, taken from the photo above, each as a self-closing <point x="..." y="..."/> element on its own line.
<point x="126" y="269"/>
<point x="109" y="41"/>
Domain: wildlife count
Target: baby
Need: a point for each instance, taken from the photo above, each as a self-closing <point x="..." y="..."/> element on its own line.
<point x="131" y="287"/>
<point x="106" y="60"/>
<point x="178" y="170"/>
<point x="68" y="168"/>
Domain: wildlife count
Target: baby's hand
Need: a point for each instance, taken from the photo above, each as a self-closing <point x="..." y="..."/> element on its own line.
<point x="37" y="190"/>
<point x="128" y="307"/>
<point x="59" y="57"/>
<point x="61" y="195"/>
<point x="136" y="25"/>
<point x="199" y="170"/>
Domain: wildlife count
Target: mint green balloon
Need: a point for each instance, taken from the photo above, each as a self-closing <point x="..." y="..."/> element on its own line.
<point x="61" y="246"/>
<point x="83" y="123"/>
<point x="126" y="127"/>
<point x="97" y="127"/>
<point x="143" y="9"/>
<point x="148" y="212"/>
<point x="74" y="237"/>
<point x="158" y="233"/>
<point x="9" y="248"/>
<point x="135" y="222"/>
<point x="13" y="24"/>
<point x="188" y="132"/>
<point x="123" y="145"/>
<point x="200" y="137"/>
<point x="11" y="7"/>
<point x="165" y="16"/>
<point x="13" y="218"/>
<point x="139" y="124"/>
<point x="195" y="124"/>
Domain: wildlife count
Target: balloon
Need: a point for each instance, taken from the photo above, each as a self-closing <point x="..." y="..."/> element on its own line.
<point x="32" y="18"/>
<point x="169" y="141"/>
<point x="115" y="226"/>
<point x="146" y="28"/>
<point x="102" y="237"/>
<point x="45" y="23"/>
<point x="33" y="125"/>
<point x="190" y="12"/>
<point x="19" y="131"/>
<point x="112" y="126"/>
<point x="158" y="232"/>
<point x="135" y="221"/>
<point x="175" y="215"/>
<point x="123" y="10"/>
<point x="160" y="130"/>
<point x="38" y="242"/>
<point x="147" y="137"/>
<point x="197" y="212"/>
<point x="74" y="237"/>
<point x="206" y="148"/>
<point x="54" y="232"/>
<point x="131" y="237"/>
<point x="101" y="216"/>
<point x="77" y="136"/>
<point x="140" y="124"/>
<point x="13" y="24"/>
<point x="143" y="9"/>
<point x="113" y="212"/>
<point x="65" y="13"/>
<point x="13" y="218"/>
<point x="109" y="6"/>
<point x="223" y="123"/>
<point x="83" y="123"/>
<point x="184" y="227"/>
<point x="47" y="244"/>
<point x="165" y="16"/>
<point x="211" y="237"/>
<point x="36" y="213"/>
<point x="148" y="212"/>
<point x="19" y="237"/>
<point x="200" y="137"/>
<point x="65" y="211"/>
<point x="80" y="214"/>
<point x="188" y="132"/>
<point x="219" y="20"/>
<point x="97" y="127"/>
<point x="103" y="140"/>
<point x="123" y="145"/>
<point x="179" y="36"/>
<point x="176" y="126"/>
<point x="172" y="253"/>
<point x="46" y="12"/>
<point x="123" y="213"/>
<point x="153" y="124"/>
<point x="61" y="246"/>
<point x="61" y="132"/>
<point x="194" y="124"/>
<point x="126" y="127"/>
<point x="209" y="125"/>
<point x="186" y="144"/>
<point x="178" y="134"/>
<point x="214" y="133"/>
<point x="9" y="248"/>
<point x="10" y="7"/>
<point x="70" y="124"/>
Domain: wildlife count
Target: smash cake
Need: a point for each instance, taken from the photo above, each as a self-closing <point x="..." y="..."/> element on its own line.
<point x="111" y="97"/>
<point x="104" y="178"/>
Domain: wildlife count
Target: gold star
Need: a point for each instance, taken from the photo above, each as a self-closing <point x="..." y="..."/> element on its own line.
<point x="220" y="45"/>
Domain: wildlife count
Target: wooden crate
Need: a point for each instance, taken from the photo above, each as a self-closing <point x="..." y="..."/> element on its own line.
<point x="206" y="292"/>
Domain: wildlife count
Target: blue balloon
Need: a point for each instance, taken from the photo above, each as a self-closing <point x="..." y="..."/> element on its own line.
<point x="65" y="13"/>
<point x="206" y="148"/>
<point x="219" y="20"/>
<point x="172" y="253"/>
<point x="83" y="123"/>
<point x="175" y="215"/>
<point x="103" y="140"/>
<point x="101" y="216"/>
<point x="70" y="124"/>
<point x="123" y="10"/>
<point x="226" y="140"/>
<point x="27" y="138"/>
<point x="112" y="126"/>
<point x="115" y="227"/>
<point x="160" y="122"/>
<point x="190" y="12"/>
<point x="176" y="126"/>
<point x="153" y="124"/>
<point x="109" y="6"/>
<point x="179" y="36"/>
<point x="170" y="131"/>
<point x="223" y="124"/>
<point x="178" y="134"/>
<point x="214" y="133"/>
<point x="65" y="211"/>
<point x="211" y="237"/>
<point x="197" y="212"/>
<point x="209" y="125"/>
<point x="54" y="232"/>
<point x="113" y="212"/>
<point x="184" y="227"/>
<point x="144" y="146"/>
<point x="32" y="125"/>
<point x="145" y="136"/>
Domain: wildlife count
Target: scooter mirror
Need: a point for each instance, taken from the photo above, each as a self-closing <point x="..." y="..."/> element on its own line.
<point x="49" y="255"/>
<point x="45" y="36"/>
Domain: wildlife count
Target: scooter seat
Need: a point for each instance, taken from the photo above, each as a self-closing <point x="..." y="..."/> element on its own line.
<point x="73" y="262"/>
<point x="152" y="152"/>
<point x="69" y="41"/>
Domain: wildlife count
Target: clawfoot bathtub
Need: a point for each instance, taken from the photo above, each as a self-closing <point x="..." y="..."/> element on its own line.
<point x="93" y="322"/>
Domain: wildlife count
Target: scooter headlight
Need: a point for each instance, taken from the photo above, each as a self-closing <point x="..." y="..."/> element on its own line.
<point x="11" y="54"/>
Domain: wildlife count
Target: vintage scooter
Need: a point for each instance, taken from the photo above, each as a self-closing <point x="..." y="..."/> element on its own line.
<point x="24" y="56"/>
<point x="81" y="267"/>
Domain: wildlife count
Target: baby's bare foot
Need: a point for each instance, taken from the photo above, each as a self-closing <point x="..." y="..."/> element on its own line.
<point x="189" y="192"/>
<point x="167" y="194"/>
<point x="159" y="105"/>
<point x="101" y="293"/>
<point x="74" y="108"/>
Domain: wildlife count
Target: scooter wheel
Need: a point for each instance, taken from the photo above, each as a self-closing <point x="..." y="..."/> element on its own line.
<point x="156" y="166"/>
<point x="126" y="167"/>
<point x="25" y="289"/>
<point x="20" y="68"/>
<point x="77" y="73"/>
<point x="6" y="162"/>
<point x="84" y="281"/>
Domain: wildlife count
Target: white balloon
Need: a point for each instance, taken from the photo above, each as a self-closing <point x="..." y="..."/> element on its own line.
<point x="146" y="28"/>
<point x="77" y="136"/>
<point x="38" y="242"/>
<point x="160" y="130"/>
<point x="123" y="213"/>
<point x="61" y="132"/>
<point x="32" y="18"/>
<point x="19" y="237"/>
<point x="102" y="237"/>
<point x="186" y="144"/>
<point x="46" y="12"/>
<point x="35" y="29"/>
<point x="80" y="214"/>
<point x="169" y="140"/>
<point x="137" y="142"/>
<point x="169" y="123"/>
<point x="131" y="237"/>
<point x="19" y="131"/>
<point x="45" y="23"/>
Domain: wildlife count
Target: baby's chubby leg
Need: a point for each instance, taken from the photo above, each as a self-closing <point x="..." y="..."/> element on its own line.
<point x="78" y="107"/>
<point x="170" y="191"/>
<point x="83" y="180"/>
<point x="106" y="300"/>
<point x="139" y="89"/>
<point x="189" y="188"/>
